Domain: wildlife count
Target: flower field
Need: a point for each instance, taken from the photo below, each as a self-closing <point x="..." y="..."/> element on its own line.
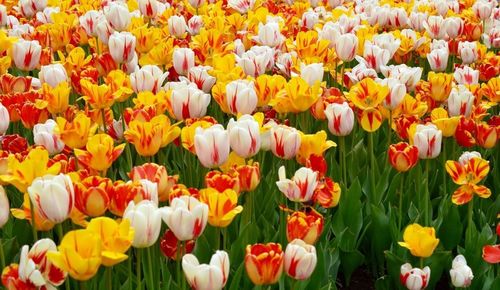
<point x="249" y="144"/>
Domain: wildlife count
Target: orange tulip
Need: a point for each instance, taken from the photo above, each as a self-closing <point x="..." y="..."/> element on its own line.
<point x="467" y="174"/>
<point x="264" y="263"/>
<point x="180" y="189"/>
<point x="100" y="153"/>
<point x="121" y="193"/>
<point x="248" y="174"/>
<point x="305" y="225"/>
<point x="403" y="156"/>
<point x="327" y="194"/>
<point x="155" y="173"/>
<point x="97" y="96"/>
<point x="222" y="206"/>
<point x="222" y="181"/>
<point x="487" y="135"/>
<point x="91" y="195"/>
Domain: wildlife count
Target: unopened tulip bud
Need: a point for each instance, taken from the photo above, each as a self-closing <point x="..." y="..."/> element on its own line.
<point x="177" y="26"/>
<point x="340" y="118"/>
<point x="461" y="274"/>
<point x="122" y="46"/>
<point x="300" y="259"/>
<point x="44" y="135"/>
<point x="118" y="15"/>
<point x="183" y="59"/>
<point x="26" y="54"/>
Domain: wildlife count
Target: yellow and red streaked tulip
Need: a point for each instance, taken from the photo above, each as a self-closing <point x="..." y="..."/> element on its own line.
<point x="313" y="144"/>
<point x="264" y="263"/>
<point x="121" y="193"/>
<point x="169" y="246"/>
<point x="285" y="141"/>
<point x="183" y="59"/>
<point x="491" y="89"/>
<point x="302" y="185"/>
<point x="421" y="241"/>
<point x="116" y="238"/>
<point x="305" y="225"/>
<point x="187" y="217"/>
<point x="468" y="174"/>
<point x="340" y="118"/>
<point x="427" y="138"/>
<point x="206" y="277"/>
<point x="267" y="87"/>
<point x="43" y="135"/>
<point x="460" y="101"/>
<point x="55" y="99"/>
<point x="79" y="254"/>
<point x="244" y="136"/>
<point x="188" y="132"/>
<point x="414" y="278"/>
<point x="22" y="173"/>
<point x="98" y="96"/>
<point x="91" y="195"/>
<point x="181" y="190"/>
<point x="403" y="156"/>
<point x="447" y="125"/>
<point x="327" y="193"/>
<point x="297" y="96"/>
<point x="26" y="54"/>
<point x="31" y="115"/>
<point x="212" y="145"/>
<point x="53" y="196"/>
<point x="221" y="181"/>
<point x="300" y="259"/>
<point x="120" y="85"/>
<point x="145" y="218"/>
<point x="155" y="173"/>
<point x="4" y="207"/>
<point x="100" y="153"/>
<point x="188" y="102"/>
<point x="155" y="103"/>
<point x="75" y="133"/>
<point x="241" y="97"/>
<point x="487" y="135"/>
<point x="367" y="95"/>
<point x="118" y="15"/>
<point x="148" y="78"/>
<point x="222" y="206"/>
<point x="248" y="175"/>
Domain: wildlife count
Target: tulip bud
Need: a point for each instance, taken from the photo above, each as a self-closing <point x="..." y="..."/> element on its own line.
<point x="434" y="27"/>
<point x="302" y="185"/>
<point x="91" y="195"/>
<point x="285" y="141"/>
<point x="53" y="74"/>
<point x="4" y="207"/>
<point x="428" y="139"/>
<point x="403" y="156"/>
<point x="189" y="102"/>
<point x="467" y="156"/>
<point x="300" y="259"/>
<point x="460" y="101"/>
<point x="269" y="35"/>
<point x="414" y="278"/>
<point x="194" y="24"/>
<point x="241" y="97"/>
<point x="53" y="196"/>
<point x="196" y="3"/>
<point x="264" y="263"/>
<point x="148" y="8"/>
<point x="305" y="225"/>
<point x="346" y="46"/>
<point x="43" y="134"/>
<point x="186" y="217"/>
<point x="460" y="274"/>
<point x="169" y="244"/>
<point x="4" y="119"/>
<point x="340" y="118"/>
<point x="145" y="218"/>
<point x="90" y="20"/>
<point x="122" y="46"/>
<point x="374" y="56"/>
<point x="483" y="9"/>
<point x="118" y="15"/>
<point x="454" y="26"/>
<point x="26" y="54"/>
<point x="309" y="19"/>
<point x="148" y="78"/>
<point x="253" y="64"/>
<point x="104" y="30"/>
<point x="466" y="76"/>
<point x="312" y="73"/>
<point x="183" y="59"/>
<point x="206" y="277"/>
<point x="242" y="6"/>
<point x="199" y="76"/>
<point x="327" y="193"/>
<point x="331" y="32"/>
<point x="468" y="51"/>
<point x="244" y="136"/>
<point x="417" y="20"/>
<point x="248" y="175"/>
<point x="212" y="145"/>
<point x="438" y="59"/>
<point x="177" y="26"/>
<point x="157" y="174"/>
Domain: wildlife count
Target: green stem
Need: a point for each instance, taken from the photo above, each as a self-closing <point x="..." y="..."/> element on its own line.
<point x="83" y="285"/>
<point x="129" y="270"/>
<point x="2" y="255"/>
<point x="139" y="273"/>
<point x="427" y="194"/>
<point x="421" y="263"/>
<point x="109" y="278"/>
<point x="103" y="113"/>
<point x="178" y="264"/>
<point x="389" y="132"/>
<point x="224" y="239"/>
<point x="343" y="160"/>
<point x="443" y="170"/>
<point x="59" y="231"/>
<point x="217" y="238"/>
<point x="470" y="213"/>
<point x="401" y="202"/>
<point x="150" y="266"/>
<point x="33" y="221"/>
<point x="372" y="167"/>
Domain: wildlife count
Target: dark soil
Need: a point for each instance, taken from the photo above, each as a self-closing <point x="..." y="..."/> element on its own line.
<point x="361" y="279"/>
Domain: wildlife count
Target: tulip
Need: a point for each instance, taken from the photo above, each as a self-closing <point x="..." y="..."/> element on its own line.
<point x="118" y="15"/>
<point x="388" y="42"/>
<point x="75" y="133"/>
<point x="415" y="278"/>
<point x="434" y="26"/>
<point x="367" y="95"/>
<point x="269" y="35"/>
<point x="122" y="46"/>
<point x="177" y="26"/>
<point x="186" y="217"/>
<point x="312" y="73"/>
<point x="169" y="246"/>
<point x="407" y="75"/>
<point x="417" y="20"/>
<point x="300" y="259"/>
<point x="403" y="156"/>
<point x="438" y="59"/>
<point x="116" y="238"/>
<point x="221" y="181"/>
<point x="196" y="3"/>
<point x="428" y="139"/>
<point x="100" y="153"/>
<point x="194" y="25"/>
<point x="207" y="277"/>
<point x="4" y="207"/>
<point x="313" y="145"/>
<point x="104" y="30"/>
<point x="43" y="135"/>
<point x="244" y="136"/>
<point x="145" y="218"/>
<point x="79" y="254"/>
<point x="148" y="8"/>
<point x="460" y="274"/>
<point x="309" y="19"/>
<point x="466" y="132"/>
<point x="440" y="85"/>
<point x="467" y="156"/>
<point x="53" y="74"/>
<point x="91" y="195"/>
<point x="374" y="56"/>
<point x="26" y="54"/>
<point x="248" y="175"/>
<point x="148" y="78"/>
<point x="327" y="193"/>
<point x="157" y="174"/>
<point x="264" y="263"/>
<point x="53" y="196"/>
<point x="254" y="63"/>
<point x="199" y="76"/>
<point x="121" y="193"/>
<point x="460" y="101"/>
<point x="90" y="20"/>
<point x="421" y="241"/>
<point x="491" y="253"/>
<point x="346" y="47"/>
<point x="4" y="119"/>
<point x="302" y="185"/>
<point x="189" y="102"/>
<point x="398" y="17"/>
<point x="285" y="141"/>
<point x="55" y="99"/>
<point x="396" y="95"/>
<point x="242" y="6"/>
<point x="222" y="206"/>
<point x="483" y="9"/>
<point x="183" y="59"/>
<point x="212" y="145"/>
<point x="466" y="76"/>
<point x="331" y="32"/>
<point x="487" y="135"/>
<point x="360" y="72"/>
<point x="453" y="26"/>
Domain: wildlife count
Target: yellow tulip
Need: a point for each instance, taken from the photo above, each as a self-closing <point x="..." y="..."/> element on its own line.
<point x="210" y="43"/>
<point x="56" y="100"/>
<point x="116" y="238"/>
<point x="79" y="254"/>
<point x="296" y="97"/>
<point x="440" y="85"/>
<point x="267" y="87"/>
<point x="75" y="133"/>
<point x="120" y="85"/>
<point x="448" y="125"/>
<point x="147" y="38"/>
<point x="421" y="241"/>
<point x="222" y="206"/>
<point x="160" y="54"/>
<point x="22" y="173"/>
<point x="100" y="153"/>
<point x="97" y="96"/>
<point x="367" y="95"/>
<point x="160" y="101"/>
<point x="76" y="59"/>
<point x="311" y="49"/>
<point x="313" y="144"/>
